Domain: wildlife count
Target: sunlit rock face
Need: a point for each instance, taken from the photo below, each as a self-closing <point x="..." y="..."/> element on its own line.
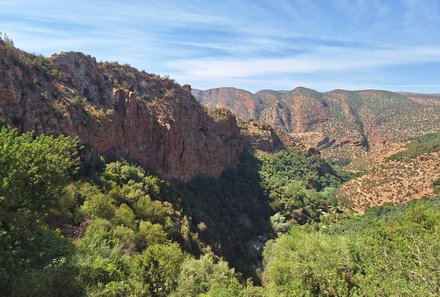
<point x="117" y="111"/>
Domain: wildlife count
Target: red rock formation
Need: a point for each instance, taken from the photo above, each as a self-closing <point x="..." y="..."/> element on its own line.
<point x="119" y="111"/>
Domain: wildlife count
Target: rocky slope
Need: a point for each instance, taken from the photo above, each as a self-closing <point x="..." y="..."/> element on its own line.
<point x="393" y="182"/>
<point x="397" y="174"/>
<point x="342" y="124"/>
<point x="264" y="139"/>
<point x="117" y="111"/>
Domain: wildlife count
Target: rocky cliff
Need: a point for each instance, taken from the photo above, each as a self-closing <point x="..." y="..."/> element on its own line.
<point x="117" y="111"/>
<point x="264" y="139"/>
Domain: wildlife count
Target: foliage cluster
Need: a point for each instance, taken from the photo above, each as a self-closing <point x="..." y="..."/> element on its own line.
<point x="232" y="209"/>
<point x="118" y="237"/>
<point x="390" y="251"/>
<point x="218" y="113"/>
<point x="5" y="38"/>
<point x="33" y="172"/>
<point x="29" y="62"/>
<point x="300" y="186"/>
<point x="78" y="102"/>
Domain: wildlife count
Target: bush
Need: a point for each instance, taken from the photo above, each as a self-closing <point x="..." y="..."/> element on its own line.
<point x="33" y="173"/>
<point x="78" y="102"/>
<point x="208" y="275"/>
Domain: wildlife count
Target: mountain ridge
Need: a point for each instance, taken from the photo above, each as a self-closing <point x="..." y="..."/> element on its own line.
<point x="342" y="123"/>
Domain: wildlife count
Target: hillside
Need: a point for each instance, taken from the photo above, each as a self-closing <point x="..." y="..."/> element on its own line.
<point x="342" y="124"/>
<point x="388" y="251"/>
<point x="396" y="177"/>
<point x="117" y="111"/>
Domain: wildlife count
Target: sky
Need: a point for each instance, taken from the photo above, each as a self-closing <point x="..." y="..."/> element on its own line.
<point x="253" y="45"/>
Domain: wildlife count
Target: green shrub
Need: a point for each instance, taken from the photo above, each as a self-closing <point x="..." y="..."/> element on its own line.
<point x="59" y="109"/>
<point x="78" y="102"/>
<point x="209" y="275"/>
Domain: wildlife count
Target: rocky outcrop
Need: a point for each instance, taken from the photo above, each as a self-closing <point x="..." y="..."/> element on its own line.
<point x="262" y="137"/>
<point x="117" y="111"/>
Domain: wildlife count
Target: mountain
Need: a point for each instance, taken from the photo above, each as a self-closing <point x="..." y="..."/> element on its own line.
<point x="342" y="124"/>
<point x="398" y="174"/>
<point x="117" y="111"/>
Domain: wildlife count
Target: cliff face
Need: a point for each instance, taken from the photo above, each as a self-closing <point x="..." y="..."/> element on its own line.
<point x="263" y="138"/>
<point x="117" y="110"/>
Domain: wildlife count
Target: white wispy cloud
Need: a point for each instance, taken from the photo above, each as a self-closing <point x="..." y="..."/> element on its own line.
<point x="242" y="43"/>
<point x="325" y="60"/>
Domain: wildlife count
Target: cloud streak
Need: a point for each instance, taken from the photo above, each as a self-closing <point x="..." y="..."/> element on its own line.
<point x="247" y="44"/>
<point x="327" y="59"/>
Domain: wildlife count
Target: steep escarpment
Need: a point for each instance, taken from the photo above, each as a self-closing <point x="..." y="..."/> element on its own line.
<point x="117" y="111"/>
<point x="343" y="124"/>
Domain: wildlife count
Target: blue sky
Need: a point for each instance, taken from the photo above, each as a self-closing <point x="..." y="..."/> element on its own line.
<point x="321" y="44"/>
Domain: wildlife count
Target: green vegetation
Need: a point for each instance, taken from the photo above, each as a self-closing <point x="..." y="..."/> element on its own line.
<point x="6" y="39"/>
<point x="228" y="212"/>
<point x="118" y="235"/>
<point x="33" y="172"/>
<point x="300" y="186"/>
<point x="208" y="275"/>
<point x="218" y="113"/>
<point x="418" y="146"/>
<point x="115" y="230"/>
<point x="436" y="186"/>
<point x="29" y="62"/>
<point x="59" y="109"/>
<point x="387" y="252"/>
<point x="78" y="102"/>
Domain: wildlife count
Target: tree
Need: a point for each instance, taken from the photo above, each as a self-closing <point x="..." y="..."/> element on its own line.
<point x="158" y="268"/>
<point x="33" y="173"/>
<point x="209" y="275"/>
<point x="309" y="264"/>
<point x="6" y="39"/>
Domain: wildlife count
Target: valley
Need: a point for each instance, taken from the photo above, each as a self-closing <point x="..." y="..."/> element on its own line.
<point x="118" y="182"/>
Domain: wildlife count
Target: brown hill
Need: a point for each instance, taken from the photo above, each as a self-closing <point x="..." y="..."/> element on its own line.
<point x="394" y="181"/>
<point x="342" y="124"/>
<point x="401" y="173"/>
<point x="118" y="111"/>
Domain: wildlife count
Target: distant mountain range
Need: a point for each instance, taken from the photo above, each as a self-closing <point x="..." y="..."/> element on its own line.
<point x="342" y="124"/>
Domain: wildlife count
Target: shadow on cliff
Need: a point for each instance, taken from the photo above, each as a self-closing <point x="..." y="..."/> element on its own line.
<point x="230" y="213"/>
